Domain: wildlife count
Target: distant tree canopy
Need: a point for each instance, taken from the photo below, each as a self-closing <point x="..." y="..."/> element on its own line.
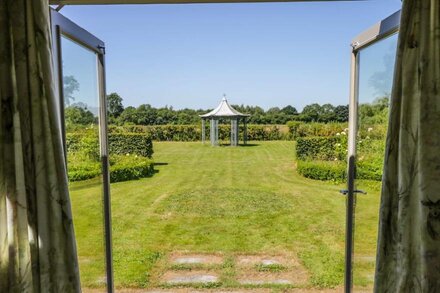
<point x="375" y="112"/>
<point x="70" y="86"/>
<point x="77" y="114"/>
<point x="114" y="105"/>
<point x="147" y="115"/>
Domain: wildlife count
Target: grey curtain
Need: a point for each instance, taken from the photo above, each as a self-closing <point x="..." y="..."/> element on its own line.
<point x="37" y="242"/>
<point x="408" y="257"/>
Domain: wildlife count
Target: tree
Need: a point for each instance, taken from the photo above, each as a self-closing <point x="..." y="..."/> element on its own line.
<point x="311" y="113"/>
<point x="114" y="105"/>
<point x="289" y="110"/>
<point x="70" y="86"/>
<point x="341" y="113"/>
<point x="129" y="115"/>
<point x="75" y="115"/>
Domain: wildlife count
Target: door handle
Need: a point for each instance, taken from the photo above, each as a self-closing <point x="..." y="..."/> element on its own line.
<point x="345" y="191"/>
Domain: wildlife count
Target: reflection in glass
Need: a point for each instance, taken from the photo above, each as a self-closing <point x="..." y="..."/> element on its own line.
<point x="376" y="68"/>
<point x="81" y="108"/>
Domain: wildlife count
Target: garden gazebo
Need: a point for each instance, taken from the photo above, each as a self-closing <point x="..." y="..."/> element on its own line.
<point x="224" y="111"/>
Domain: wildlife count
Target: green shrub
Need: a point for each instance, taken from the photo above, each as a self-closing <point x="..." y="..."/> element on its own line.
<point x="323" y="170"/>
<point x="369" y="170"/>
<point x="194" y="132"/>
<point x="303" y="129"/>
<point x="337" y="170"/>
<point x="321" y="148"/>
<point x="72" y="142"/>
<point x="125" y="170"/>
<point x="131" y="143"/>
<point x="293" y="128"/>
<point x="120" y="143"/>
<point x="80" y="175"/>
<point x="80" y="167"/>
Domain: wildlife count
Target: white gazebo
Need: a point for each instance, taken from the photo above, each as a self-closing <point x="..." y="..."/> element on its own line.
<point x="224" y="111"/>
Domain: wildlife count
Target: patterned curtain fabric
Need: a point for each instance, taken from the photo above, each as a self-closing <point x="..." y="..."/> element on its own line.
<point x="37" y="243"/>
<point x="408" y="257"/>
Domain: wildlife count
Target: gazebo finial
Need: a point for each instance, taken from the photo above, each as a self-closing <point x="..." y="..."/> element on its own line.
<point x="224" y="97"/>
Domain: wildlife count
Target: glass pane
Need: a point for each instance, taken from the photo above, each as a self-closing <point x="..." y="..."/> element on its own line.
<point x="376" y="68"/>
<point x="81" y="108"/>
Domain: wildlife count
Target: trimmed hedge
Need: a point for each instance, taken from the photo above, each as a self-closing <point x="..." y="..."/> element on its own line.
<point x="80" y="175"/>
<point x="320" y="148"/>
<point x="131" y="171"/>
<point x="337" y="170"/>
<point x="324" y="158"/>
<point x="369" y="171"/>
<point x="322" y="170"/>
<point x="131" y="143"/>
<point x="302" y="129"/>
<point x="194" y="132"/>
<point x="123" y="169"/>
<point x="140" y="144"/>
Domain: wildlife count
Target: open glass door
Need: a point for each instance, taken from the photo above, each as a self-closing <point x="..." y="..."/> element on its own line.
<point x="79" y="66"/>
<point x="373" y="61"/>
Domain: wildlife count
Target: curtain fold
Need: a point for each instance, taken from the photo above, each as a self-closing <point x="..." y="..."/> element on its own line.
<point x="37" y="241"/>
<point x="408" y="256"/>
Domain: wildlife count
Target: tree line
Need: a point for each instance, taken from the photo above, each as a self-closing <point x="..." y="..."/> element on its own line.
<point x="77" y="113"/>
<point x="147" y="115"/>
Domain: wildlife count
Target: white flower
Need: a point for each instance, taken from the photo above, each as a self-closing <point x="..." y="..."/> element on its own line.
<point x="367" y="137"/>
<point x="336" y="159"/>
<point x="128" y="154"/>
<point x="346" y="129"/>
<point x="338" y="134"/>
<point x="370" y="129"/>
<point x="338" y="144"/>
<point x="343" y="133"/>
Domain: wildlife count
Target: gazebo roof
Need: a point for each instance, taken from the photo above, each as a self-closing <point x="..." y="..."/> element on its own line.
<point x="224" y="110"/>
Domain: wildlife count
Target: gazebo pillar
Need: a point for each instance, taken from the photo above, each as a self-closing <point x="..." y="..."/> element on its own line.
<point x="214" y="132"/>
<point x="245" y="131"/>
<point x="234" y="131"/>
<point x="203" y="130"/>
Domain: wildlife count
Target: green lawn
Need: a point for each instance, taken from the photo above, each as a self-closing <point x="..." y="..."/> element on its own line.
<point x="227" y="200"/>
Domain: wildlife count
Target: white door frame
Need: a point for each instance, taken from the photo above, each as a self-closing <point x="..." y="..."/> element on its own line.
<point x="374" y="34"/>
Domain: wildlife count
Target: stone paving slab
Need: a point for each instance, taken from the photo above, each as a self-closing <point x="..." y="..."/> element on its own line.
<point x="191" y="277"/>
<point x="266" y="282"/>
<point x="195" y="259"/>
<point x="267" y="278"/>
<point x="265" y="260"/>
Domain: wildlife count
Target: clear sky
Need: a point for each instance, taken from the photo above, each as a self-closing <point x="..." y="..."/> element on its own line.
<point x="266" y="54"/>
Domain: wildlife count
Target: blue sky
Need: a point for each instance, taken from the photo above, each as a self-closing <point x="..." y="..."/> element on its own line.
<point x="266" y="54"/>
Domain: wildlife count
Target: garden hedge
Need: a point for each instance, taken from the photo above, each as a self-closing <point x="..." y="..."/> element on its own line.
<point x="194" y="132"/>
<point x="323" y="170"/>
<point x="131" y="143"/>
<point x="140" y="144"/>
<point x="123" y="168"/>
<point x="320" y="148"/>
<point x="337" y="170"/>
<point x="131" y="170"/>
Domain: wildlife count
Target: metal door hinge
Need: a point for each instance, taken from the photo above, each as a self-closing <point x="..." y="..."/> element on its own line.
<point x="345" y="191"/>
<point x="102" y="48"/>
